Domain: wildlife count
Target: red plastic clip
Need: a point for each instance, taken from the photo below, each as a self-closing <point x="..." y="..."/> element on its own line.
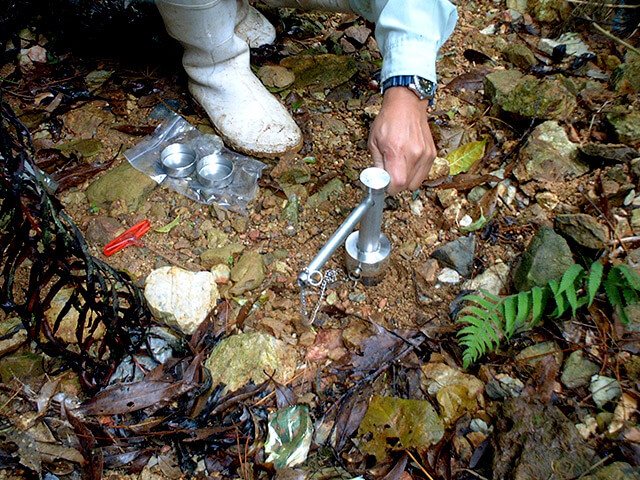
<point x="129" y="237"/>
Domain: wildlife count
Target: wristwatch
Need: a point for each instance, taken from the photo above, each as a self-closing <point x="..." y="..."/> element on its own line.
<point x="423" y="88"/>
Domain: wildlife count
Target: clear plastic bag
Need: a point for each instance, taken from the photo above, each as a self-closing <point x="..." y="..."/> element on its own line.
<point x="146" y="157"/>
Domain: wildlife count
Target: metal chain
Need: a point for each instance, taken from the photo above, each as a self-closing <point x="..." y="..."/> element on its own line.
<point x="329" y="277"/>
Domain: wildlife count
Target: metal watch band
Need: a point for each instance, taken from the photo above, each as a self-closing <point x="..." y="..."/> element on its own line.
<point x="423" y="88"/>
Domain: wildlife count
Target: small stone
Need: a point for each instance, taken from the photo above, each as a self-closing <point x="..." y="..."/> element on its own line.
<point x="221" y="273"/>
<point x="549" y="155"/>
<point x="493" y="280"/>
<point x="291" y="171"/>
<point x="439" y="169"/>
<point x="331" y="190"/>
<point x="578" y="370"/>
<point x="358" y="33"/>
<point x="69" y="323"/>
<point x="503" y="386"/>
<point x="547" y="200"/>
<point x="416" y="207"/>
<point x="357" y="297"/>
<point x="498" y="85"/>
<point x="520" y="55"/>
<point x="224" y="255"/>
<point x="240" y="223"/>
<point x="604" y="389"/>
<point x="449" y="275"/>
<point x="248" y="273"/>
<point x="541" y="98"/>
<point x="447" y="196"/>
<point x="101" y="230"/>
<point x="458" y="254"/>
<point x="626" y="125"/>
<point x="323" y="71"/>
<point x="626" y="77"/>
<point x="534" y="354"/>
<point x="428" y="270"/>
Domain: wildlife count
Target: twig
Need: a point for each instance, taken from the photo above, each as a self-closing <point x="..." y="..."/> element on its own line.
<point x="594" y="466"/>
<point x="613" y="37"/>
<point x="420" y="465"/>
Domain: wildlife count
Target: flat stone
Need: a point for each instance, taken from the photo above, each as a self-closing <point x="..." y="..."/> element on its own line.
<point x="101" y="230"/>
<point x="493" y="280"/>
<point x="69" y="323"/>
<point x="578" y="370"/>
<point x="520" y="55"/>
<point x="250" y="357"/>
<point x="248" y="273"/>
<point x="538" y="441"/>
<point x="598" y="153"/>
<point x="626" y="77"/>
<point x="85" y="121"/>
<point x="275" y="76"/>
<point x="541" y="98"/>
<point x="626" y="125"/>
<point x="549" y="155"/>
<point x="123" y="182"/>
<point x="220" y="255"/>
<point x="547" y="257"/>
<point x="358" y="33"/>
<point x="180" y="297"/>
<point x="291" y="171"/>
<point x="498" y="85"/>
<point x="534" y="354"/>
<point x="322" y="71"/>
<point x="84" y="147"/>
<point x="458" y="254"/>
<point x="21" y="365"/>
<point x="584" y="229"/>
<point x="330" y="191"/>
<point x="604" y="389"/>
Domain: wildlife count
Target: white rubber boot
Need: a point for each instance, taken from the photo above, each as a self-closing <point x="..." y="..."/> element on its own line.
<point x="326" y="5"/>
<point x="246" y="115"/>
<point x="253" y="27"/>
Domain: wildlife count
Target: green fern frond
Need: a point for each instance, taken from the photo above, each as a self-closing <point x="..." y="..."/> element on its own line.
<point x="594" y="281"/>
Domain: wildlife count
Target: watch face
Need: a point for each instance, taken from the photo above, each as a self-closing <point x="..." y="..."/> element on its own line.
<point x="426" y="88"/>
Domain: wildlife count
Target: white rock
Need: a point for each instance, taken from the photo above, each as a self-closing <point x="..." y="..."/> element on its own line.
<point x="490" y="30"/>
<point x="416" y="207"/>
<point x="492" y="280"/>
<point x="449" y="275"/>
<point x="604" y="389"/>
<point x="181" y="297"/>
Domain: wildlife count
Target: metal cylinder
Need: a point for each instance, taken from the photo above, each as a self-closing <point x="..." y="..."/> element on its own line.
<point x="367" y="250"/>
<point x="376" y="180"/>
<point x="311" y="274"/>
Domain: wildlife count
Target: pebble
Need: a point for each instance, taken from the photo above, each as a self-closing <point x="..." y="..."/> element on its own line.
<point x="449" y="275"/>
<point x="357" y="297"/>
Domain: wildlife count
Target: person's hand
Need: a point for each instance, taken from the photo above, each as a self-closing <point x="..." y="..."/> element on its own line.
<point x="400" y="140"/>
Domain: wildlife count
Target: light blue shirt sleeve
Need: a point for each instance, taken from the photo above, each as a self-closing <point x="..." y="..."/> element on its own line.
<point x="409" y="33"/>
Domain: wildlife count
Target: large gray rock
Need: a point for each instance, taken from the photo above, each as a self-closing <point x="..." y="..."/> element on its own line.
<point x="123" y="182"/>
<point x="584" y="229"/>
<point x="458" y="254"/>
<point x="626" y="125"/>
<point x="615" y="471"/>
<point x="531" y="97"/>
<point x="546" y="258"/>
<point x="538" y="441"/>
<point x="578" y="370"/>
<point x="321" y="71"/>
<point x="549" y="155"/>
<point x="180" y="297"/>
<point x="626" y="77"/>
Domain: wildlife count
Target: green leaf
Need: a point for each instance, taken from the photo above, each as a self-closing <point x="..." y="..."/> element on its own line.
<point x="570" y="276"/>
<point x="539" y="302"/>
<point x="167" y="228"/>
<point x="632" y="278"/>
<point x="510" y="309"/>
<point x="594" y="281"/>
<point x="461" y="159"/>
<point x="524" y="308"/>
